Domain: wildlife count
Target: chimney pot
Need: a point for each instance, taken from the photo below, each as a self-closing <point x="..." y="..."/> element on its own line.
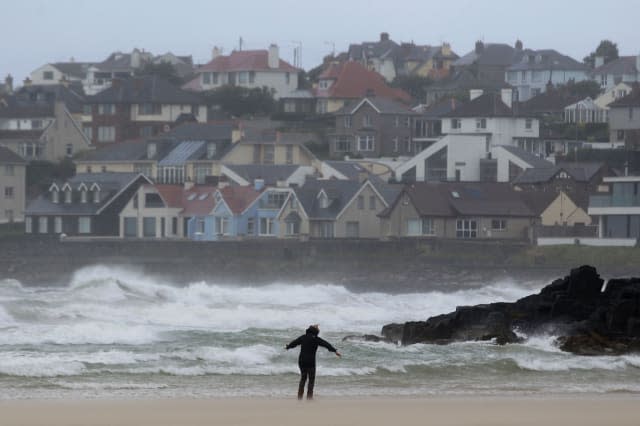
<point x="273" y="59"/>
<point x="479" y="46"/>
<point x="384" y="36"/>
<point x="518" y="45"/>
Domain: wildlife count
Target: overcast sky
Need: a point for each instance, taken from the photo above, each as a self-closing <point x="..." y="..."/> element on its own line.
<point x="36" y="32"/>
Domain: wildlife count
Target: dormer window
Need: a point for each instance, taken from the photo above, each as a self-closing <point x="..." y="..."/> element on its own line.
<point x="55" y="196"/>
<point x="211" y="150"/>
<point x="324" y="84"/>
<point x="324" y="201"/>
<point x="151" y="150"/>
<point x="83" y="196"/>
<point x="67" y="195"/>
<point x="96" y="193"/>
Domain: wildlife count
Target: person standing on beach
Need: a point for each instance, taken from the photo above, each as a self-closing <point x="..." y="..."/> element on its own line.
<point x="309" y="343"/>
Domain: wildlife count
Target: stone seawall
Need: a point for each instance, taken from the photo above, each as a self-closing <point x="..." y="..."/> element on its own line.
<point x="40" y="260"/>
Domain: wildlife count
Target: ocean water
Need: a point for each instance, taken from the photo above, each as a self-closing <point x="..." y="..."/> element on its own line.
<point x="114" y="333"/>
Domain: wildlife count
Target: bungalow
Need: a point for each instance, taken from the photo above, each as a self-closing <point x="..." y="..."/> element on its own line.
<point x="85" y="205"/>
<point x="465" y="210"/>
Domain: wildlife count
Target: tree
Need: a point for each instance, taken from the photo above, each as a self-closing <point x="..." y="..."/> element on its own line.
<point x="606" y="49"/>
<point x="581" y="89"/>
<point x="415" y="85"/>
<point x="163" y="69"/>
<point x="240" y="101"/>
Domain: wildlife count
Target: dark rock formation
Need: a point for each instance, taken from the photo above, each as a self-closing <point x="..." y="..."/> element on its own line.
<point x="588" y="319"/>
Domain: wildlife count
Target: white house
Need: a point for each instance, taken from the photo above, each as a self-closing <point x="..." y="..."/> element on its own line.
<point x="247" y="68"/>
<point x="473" y="132"/>
<point x="60" y="71"/>
<point x="612" y="94"/>
<point x="625" y="69"/>
<point x="537" y="68"/>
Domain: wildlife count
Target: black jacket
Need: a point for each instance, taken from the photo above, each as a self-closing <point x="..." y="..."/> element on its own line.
<point x="309" y="343"/>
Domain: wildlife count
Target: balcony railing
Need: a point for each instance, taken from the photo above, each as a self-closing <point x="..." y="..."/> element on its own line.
<point x="614" y="201"/>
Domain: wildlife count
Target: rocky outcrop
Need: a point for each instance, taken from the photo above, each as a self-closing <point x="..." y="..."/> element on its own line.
<point x="588" y="317"/>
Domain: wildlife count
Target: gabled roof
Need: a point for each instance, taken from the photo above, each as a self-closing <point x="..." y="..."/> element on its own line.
<point x="486" y="105"/>
<point x="352" y="80"/>
<point x="110" y="184"/>
<point x="551" y="101"/>
<point x="9" y="157"/>
<point x="245" y="60"/>
<point x="372" y="49"/>
<point x="491" y="54"/>
<point x="381" y="105"/>
<point x="582" y="172"/>
<point x="631" y="100"/>
<point x="546" y="59"/>
<point x="74" y="69"/>
<point x="151" y="89"/>
<point x="270" y="173"/>
<point x="339" y="192"/>
<point x="238" y="198"/>
<point x="621" y="66"/>
<point x="37" y="101"/>
<point x="538" y="201"/>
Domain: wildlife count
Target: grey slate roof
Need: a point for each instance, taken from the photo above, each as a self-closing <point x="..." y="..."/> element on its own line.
<point x="618" y="67"/>
<point x="110" y="185"/>
<point x="340" y="192"/>
<point x="152" y="89"/>
<point x="546" y="59"/>
<point x="124" y="151"/>
<point x="9" y="157"/>
<point x="441" y="108"/>
<point x="464" y="79"/>
<point x="491" y="54"/>
<point x="74" y="69"/>
<point x="528" y="157"/>
<point x="271" y="173"/>
<point x="350" y="169"/>
<point x="579" y="172"/>
<point x="201" y="132"/>
<point x="487" y="105"/>
<point x="38" y="100"/>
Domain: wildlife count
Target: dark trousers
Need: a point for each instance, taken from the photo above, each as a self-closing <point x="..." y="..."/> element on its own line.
<point x="305" y="372"/>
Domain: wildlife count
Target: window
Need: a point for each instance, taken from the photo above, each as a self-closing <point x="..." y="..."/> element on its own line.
<point x="407" y="121"/>
<point x="211" y="150"/>
<point x="287" y="78"/>
<point x="214" y="77"/>
<point x="153" y="200"/>
<point x="106" y="109"/>
<point x="251" y="226"/>
<point x="419" y="227"/>
<point x="146" y="131"/>
<point x="68" y="150"/>
<point x="466" y="228"/>
<point x="620" y="135"/>
<point x="293" y="228"/>
<point x="455" y="123"/>
<point x="342" y="143"/>
<point x="206" y="78"/>
<point x="252" y="77"/>
<point x="347" y="121"/>
<point x="222" y="225"/>
<point x="353" y="230"/>
<point x="395" y="144"/>
<point x="269" y="154"/>
<point x="275" y="200"/>
<point x="396" y="121"/>
<point x="266" y="226"/>
<point x="9" y="170"/>
<point x="322" y="106"/>
<point x="36" y="124"/>
<point x="528" y="124"/>
<point x="326" y="230"/>
<point x="88" y="132"/>
<point x="148" y="226"/>
<point x="28" y="227"/>
<point x="428" y="227"/>
<point x="536" y="76"/>
<point x="201" y="174"/>
<point x="243" y="77"/>
<point x="67" y="196"/>
<point x="366" y="120"/>
<point x="481" y="123"/>
<point x="372" y="202"/>
<point x="47" y="75"/>
<point x="289" y="154"/>
<point x="512" y="75"/>
<point x="360" y="202"/>
<point x="83" y="196"/>
<point x="407" y="144"/>
<point x="323" y="201"/>
<point x="42" y="225"/>
<point x="523" y="76"/>
<point x="106" y="134"/>
<point x="366" y="143"/>
<point x="8" y="192"/>
<point x="324" y="84"/>
<point x="57" y="225"/>
<point x="200" y="226"/>
<point x="55" y="196"/>
<point x="498" y="224"/>
<point x="149" y="109"/>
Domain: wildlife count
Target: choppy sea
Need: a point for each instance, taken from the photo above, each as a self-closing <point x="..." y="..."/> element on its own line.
<point x="115" y="333"/>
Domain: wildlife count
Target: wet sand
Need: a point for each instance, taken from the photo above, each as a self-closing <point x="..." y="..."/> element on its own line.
<point x="564" y="410"/>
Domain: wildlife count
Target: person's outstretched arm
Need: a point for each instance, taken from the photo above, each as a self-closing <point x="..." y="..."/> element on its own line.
<point x="295" y="343"/>
<point x="325" y="344"/>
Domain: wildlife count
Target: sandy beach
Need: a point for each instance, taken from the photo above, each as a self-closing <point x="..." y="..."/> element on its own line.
<point x="565" y="411"/>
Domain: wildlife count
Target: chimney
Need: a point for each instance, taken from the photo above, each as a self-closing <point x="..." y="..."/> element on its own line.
<point x="384" y="36"/>
<point x="475" y="93"/>
<point x="599" y="61"/>
<point x="274" y="57"/>
<point x="215" y="52"/>
<point x="135" y="59"/>
<point x="507" y="97"/>
<point x="8" y="82"/>
<point x="26" y="82"/>
<point x="518" y="45"/>
<point x="258" y="184"/>
<point x="479" y="47"/>
<point x="446" y="49"/>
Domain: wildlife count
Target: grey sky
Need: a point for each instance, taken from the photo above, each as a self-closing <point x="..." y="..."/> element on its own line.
<point x="35" y="32"/>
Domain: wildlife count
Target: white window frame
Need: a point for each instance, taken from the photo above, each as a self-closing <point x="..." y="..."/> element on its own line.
<point x="466" y="228"/>
<point x="366" y="143"/>
<point x="84" y="225"/>
<point x="28" y="225"/>
<point x="266" y="222"/>
<point x="57" y="225"/>
<point x="43" y="224"/>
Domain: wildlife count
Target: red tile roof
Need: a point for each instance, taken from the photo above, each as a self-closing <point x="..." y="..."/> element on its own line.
<point x="352" y="80"/>
<point x="199" y="200"/>
<point x="171" y="194"/>
<point x="238" y="198"/>
<point x="245" y="60"/>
